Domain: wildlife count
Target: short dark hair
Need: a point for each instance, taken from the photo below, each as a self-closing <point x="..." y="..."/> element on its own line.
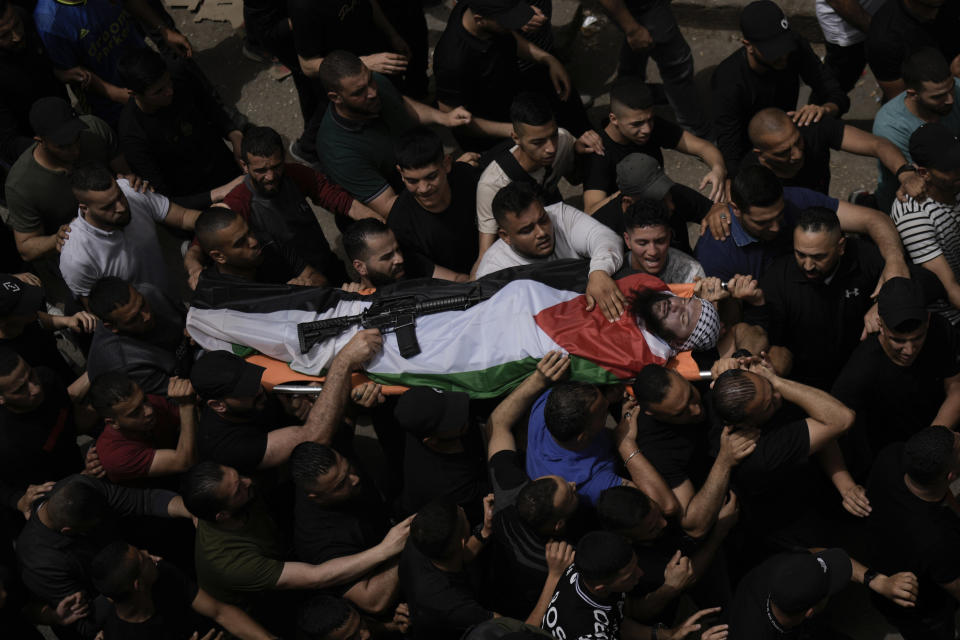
<point x="924" y="65"/>
<point x="817" y="219"/>
<point x="622" y="508"/>
<point x="321" y="615"/>
<point x="641" y="303"/>
<point x="567" y="410"/>
<point x="651" y="384"/>
<point x="928" y="454"/>
<point x="646" y="212"/>
<point x="631" y="92"/>
<point x="601" y="555"/>
<point x="9" y="360"/>
<point x="113" y="571"/>
<point x="513" y="198"/>
<point x="732" y="392"/>
<point x="434" y="527"/>
<point x="336" y="66"/>
<point x="532" y="109"/>
<point x="755" y="186"/>
<point x="141" y="68"/>
<point x="262" y="142"/>
<point x="199" y="487"/>
<point x="535" y="502"/>
<point x="93" y="176"/>
<point x="74" y="503"/>
<point x="356" y="236"/>
<point x="418" y="147"/>
<point x="211" y="221"/>
<point x="309" y="460"/>
<point x="108" y="389"/>
<point x="107" y="294"/>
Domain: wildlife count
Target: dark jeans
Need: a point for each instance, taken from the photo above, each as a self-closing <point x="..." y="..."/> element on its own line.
<point x="675" y="62"/>
<point x="847" y="64"/>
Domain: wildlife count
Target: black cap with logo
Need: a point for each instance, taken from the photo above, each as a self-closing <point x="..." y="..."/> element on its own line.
<point x="765" y="27"/>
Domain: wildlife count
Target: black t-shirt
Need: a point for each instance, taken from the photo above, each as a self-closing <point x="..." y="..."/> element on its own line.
<point x="575" y="613"/>
<point x="481" y="75"/>
<point x="40" y="445"/>
<point x="39" y="348"/>
<point x="602" y="170"/>
<point x="462" y="477"/>
<point x="443" y="604"/>
<point x="240" y="445"/>
<point x="818" y="139"/>
<point x="448" y="238"/>
<point x="322" y="27"/>
<point x="173" y="618"/>
<point x="670" y="448"/>
<point x="653" y="557"/>
<point x="750" y="614"/>
<point x="910" y="534"/>
<point x="893" y="402"/>
<point x="895" y="34"/>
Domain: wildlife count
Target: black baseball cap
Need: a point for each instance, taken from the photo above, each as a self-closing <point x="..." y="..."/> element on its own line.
<point x="641" y="176"/>
<point x="425" y="412"/>
<point x="55" y="120"/>
<point x="765" y="27"/>
<point x="221" y="374"/>
<point x="509" y="14"/>
<point x="900" y="301"/>
<point x="18" y="298"/>
<point x="933" y="146"/>
<point x="804" y="579"/>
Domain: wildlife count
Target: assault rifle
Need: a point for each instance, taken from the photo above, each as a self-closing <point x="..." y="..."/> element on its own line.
<point x="398" y="314"/>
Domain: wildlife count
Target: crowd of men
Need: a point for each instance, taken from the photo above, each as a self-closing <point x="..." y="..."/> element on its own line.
<point x="151" y="489"/>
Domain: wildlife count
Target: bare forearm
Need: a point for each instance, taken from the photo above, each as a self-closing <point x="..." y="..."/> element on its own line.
<point x="818" y="404"/>
<point x="515" y="405"/>
<point x="888" y="155"/>
<point x="186" y="450"/>
<point x="240" y="624"/>
<point x="327" y="412"/>
<point x="299" y="575"/>
<point x="833" y="464"/>
<point x="949" y="413"/>
<point x="702" y="511"/>
<point x="647" y="479"/>
<point x="35" y="247"/>
<point x="653" y="603"/>
<point x="78" y="388"/>
<point x="540" y="609"/>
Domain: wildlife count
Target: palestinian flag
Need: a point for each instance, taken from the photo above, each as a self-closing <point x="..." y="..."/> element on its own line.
<point x="485" y="350"/>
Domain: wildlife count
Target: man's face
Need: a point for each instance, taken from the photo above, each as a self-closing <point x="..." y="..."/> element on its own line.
<point x="235" y="490"/>
<point x="265" y="173"/>
<point x="358" y="95"/>
<point x="636" y="125"/>
<point x="538" y="142"/>
<point x="237" y="247"/>
<point x="627" y="578"/>
<point x="944" y="181"/>
<point x="650" y="528"/>
<point x="565" y="500"/>
<point x="108" y="209"/>
<point x="597" y="416"/>
<point x="763" y="223"/>
<point x="159" y="94"/>
<point x="340" y="484"/>
<point x="21" y="390"/>
<point x="134" y="413"/>
<point x="429" y="185"/>
<point x="678" y="316"/>
<point x="147" y="563"/>
<point x="817" y="252"/>
<point x="12" y="35"/>
<point x="529" y="232"/>
<point x="355" y="628"/>
<point x="65" y="154"/>
<point x="766" y="401"/>
<point x="649" y="246"/>
<point x="384" y="262"/>
<point x="903" y="348"/>
<point x="246" y="407"/>
<point x="936" y="97"/>
<point x="134" y="317"/>
<point x="777" y="65"/>
<point x="681" y="404"/>
<point x="782" y="151"/>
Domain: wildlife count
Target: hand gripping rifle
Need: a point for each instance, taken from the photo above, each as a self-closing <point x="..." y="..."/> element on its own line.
<point x="398" y="314"/>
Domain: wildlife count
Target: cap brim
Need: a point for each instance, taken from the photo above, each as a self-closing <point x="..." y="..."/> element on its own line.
<point x="249" y="383"/>
<point x="841" y="569"/>
<point x="659" y="188"/>
<point x="67" y="133"/>
<point x="455" y="413"/>
<point x="776" y="47"/>
<point x="515" y="17"/>
<point x="31" y="301"/>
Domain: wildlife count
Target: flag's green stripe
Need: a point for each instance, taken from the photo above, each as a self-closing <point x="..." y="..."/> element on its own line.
<point x="495" y="381"/>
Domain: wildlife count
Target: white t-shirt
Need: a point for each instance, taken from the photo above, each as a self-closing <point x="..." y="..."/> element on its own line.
<point x="493" y="179"/>
<point x="132" y="253"/>
<point x="838" y="31"/>
<point x="575" y="235"/>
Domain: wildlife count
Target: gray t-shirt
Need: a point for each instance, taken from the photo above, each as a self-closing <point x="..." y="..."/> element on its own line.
<point x="679" y="269"/>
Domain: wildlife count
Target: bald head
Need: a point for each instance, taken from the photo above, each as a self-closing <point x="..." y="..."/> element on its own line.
<point x="769" y="124"/>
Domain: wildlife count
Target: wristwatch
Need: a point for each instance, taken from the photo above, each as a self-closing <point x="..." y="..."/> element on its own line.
<point x="478" y="534"/>
<point x="868" y="577"/>
<point x="904" y="168"/>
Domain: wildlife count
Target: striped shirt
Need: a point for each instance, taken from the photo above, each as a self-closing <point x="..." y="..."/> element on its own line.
<point x="930" y="229"/>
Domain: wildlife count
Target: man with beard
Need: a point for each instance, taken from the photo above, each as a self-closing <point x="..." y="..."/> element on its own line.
<point x="240" y="426"/>
<point x="273" y="200"/>
<point x="766" y="72"/>
<point x="372" y="249"/>
<point x="932" y="95"/>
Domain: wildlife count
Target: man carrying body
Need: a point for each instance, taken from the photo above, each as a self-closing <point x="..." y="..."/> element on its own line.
<point x="649" y="236"/>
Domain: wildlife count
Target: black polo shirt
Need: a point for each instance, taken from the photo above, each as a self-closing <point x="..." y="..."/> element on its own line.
<point x="738" y="92"/>
<point x="894" y="402"/>
<point x="447" y="238"/>
<point x="817" y="140"/>
<point x="481" y="75"/>
<point x="820" y="321"/>
<point x="322" y="27"/>
<point x="895" y="34"/>
<point x="602" y="170"/>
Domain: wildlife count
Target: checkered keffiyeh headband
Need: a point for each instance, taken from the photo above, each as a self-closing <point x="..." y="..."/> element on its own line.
<point x="707" y="331"/>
